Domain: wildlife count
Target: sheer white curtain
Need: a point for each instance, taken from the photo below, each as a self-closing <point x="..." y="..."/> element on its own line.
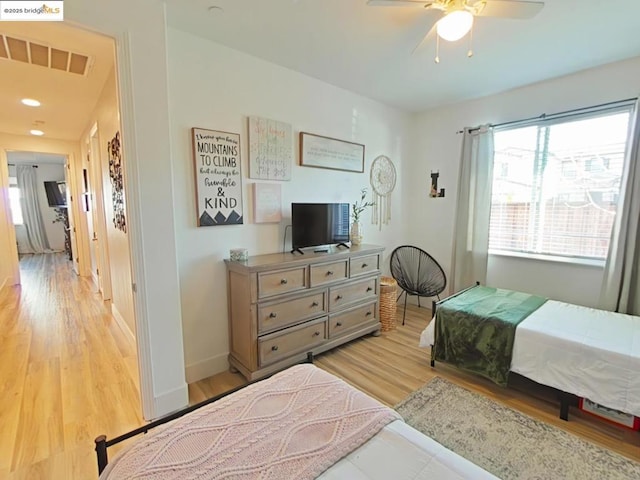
<point x="471" y="232"/>
<point x="620" y="287"/>
<point x="37" y="240"/>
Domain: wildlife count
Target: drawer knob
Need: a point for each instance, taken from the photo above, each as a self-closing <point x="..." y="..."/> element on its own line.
<point x="369" y="289"/>
<point x="339" y="297"/>
<point x="314" y="304"/>
<point x="369" y="313"/>
<point x="274" y="348"/>
<point x="283" y="281"/>
<point x="273" y="315"/>
<point x="364" y="265"/>
<point x="338" y="324"/>
<point x="316" y="334"/>
<point x="329" y="273"/>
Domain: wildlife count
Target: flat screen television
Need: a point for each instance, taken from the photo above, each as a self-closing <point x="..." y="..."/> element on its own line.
<point x="56" y="193"/>
<point x="315" y="224"/>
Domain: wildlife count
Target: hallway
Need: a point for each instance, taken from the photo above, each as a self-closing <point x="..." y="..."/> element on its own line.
<point x="67" y="373"/>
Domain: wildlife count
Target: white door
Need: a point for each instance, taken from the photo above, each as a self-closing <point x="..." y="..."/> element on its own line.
<point x="90" y="205"/>
<point x="99" y="242"/>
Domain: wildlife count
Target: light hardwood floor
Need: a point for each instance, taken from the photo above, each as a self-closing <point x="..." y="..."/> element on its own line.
<point x="68" y="373"/>
<point x="391" y="366"/>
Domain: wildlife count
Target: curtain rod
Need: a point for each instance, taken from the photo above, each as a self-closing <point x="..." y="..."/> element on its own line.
<point x="559" y="114"/>
<point x="26" y="165"/>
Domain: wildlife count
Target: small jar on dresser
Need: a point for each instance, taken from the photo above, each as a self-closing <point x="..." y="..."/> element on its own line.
<point x="283" y="305"/>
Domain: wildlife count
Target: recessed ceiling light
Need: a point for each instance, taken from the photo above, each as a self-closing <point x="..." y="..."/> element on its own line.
<point x="39" y="133"/>
<point x="30" y="102"/>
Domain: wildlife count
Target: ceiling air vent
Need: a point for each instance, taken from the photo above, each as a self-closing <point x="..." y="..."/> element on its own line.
<point x="26" y="51"/>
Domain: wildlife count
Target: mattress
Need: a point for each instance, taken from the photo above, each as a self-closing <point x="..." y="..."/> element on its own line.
<point x="590" y="353"/>
<point x="587" y="352"/>
<point x="302" y="422"/>
<point x="401" y="452"/>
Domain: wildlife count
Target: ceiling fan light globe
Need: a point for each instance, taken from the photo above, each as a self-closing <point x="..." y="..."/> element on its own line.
<point x="454" y="25"/>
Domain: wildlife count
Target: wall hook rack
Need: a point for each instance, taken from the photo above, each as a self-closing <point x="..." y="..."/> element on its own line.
<point x="434" y="193"/>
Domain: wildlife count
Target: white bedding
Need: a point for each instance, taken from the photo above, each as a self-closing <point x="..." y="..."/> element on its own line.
<point x="400" y="452"/>
<point x="587" y="352"/>
<point x="301" y="423"/>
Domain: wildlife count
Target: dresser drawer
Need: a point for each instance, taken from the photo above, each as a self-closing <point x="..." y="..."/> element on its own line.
<point x="281" y="281"/>
<point x="341" y="295"/>
<point x="342" y="322"/>
<point x="324" y="273"/>
<point x="275" y="315"/>
<point x="363" y="265"/>
<point x="277" y="346"/>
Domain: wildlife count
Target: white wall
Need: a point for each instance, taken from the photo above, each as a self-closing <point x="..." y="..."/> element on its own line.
<point x="55" y="231"/>
<point x="106" y="116"/>
<point x="140" y="31"/>
<point x="215" y="87"/>
<point x="437" y="147"/>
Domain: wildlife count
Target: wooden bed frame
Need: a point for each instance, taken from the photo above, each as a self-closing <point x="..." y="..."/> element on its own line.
<point x="102" y="443"/>
<point x="566" y="399"/>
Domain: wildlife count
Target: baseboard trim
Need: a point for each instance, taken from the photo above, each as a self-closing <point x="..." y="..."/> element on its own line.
<point x="4" y="283"/>
<point x="122" y="323"/>
<point x="171" y="401"/>
<point x="206" y="368"/>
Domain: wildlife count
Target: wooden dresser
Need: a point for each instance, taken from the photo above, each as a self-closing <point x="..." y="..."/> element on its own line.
<point x="283" y="305"/>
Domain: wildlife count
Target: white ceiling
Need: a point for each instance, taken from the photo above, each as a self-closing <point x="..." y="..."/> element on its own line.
<point x="67" y="99"/>
<point x="368" y="50"/>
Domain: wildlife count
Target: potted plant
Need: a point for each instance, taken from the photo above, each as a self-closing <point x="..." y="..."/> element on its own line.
<point x="356" y="211"/>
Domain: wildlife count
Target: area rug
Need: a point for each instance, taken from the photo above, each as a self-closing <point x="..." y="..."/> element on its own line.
<point x="507" y="443"/>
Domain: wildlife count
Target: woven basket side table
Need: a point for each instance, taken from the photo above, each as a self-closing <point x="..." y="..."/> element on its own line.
<point x="388" y="287"/>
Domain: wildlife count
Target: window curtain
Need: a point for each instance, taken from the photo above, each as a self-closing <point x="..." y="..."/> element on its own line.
<point x="36" y="237"/>
<point x="620" y="287"/>
<point x="471" y="231"/>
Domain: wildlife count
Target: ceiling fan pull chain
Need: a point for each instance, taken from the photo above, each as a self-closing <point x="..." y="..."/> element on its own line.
<point x="437" y="59"/>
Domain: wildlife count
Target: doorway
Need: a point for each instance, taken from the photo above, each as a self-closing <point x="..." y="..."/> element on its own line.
<point x="38" y="202"/>
<point x="73" y="120"/>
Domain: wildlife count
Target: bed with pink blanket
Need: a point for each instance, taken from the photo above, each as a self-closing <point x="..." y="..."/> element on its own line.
<point x="302" y="423"/>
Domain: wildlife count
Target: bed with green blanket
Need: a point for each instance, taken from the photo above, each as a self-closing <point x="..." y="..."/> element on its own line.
<point x="475" y="329"/>
<point x="579" y="351"/>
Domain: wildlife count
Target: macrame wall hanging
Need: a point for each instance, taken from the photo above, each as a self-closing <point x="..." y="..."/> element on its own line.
<point x="383" y="181"/>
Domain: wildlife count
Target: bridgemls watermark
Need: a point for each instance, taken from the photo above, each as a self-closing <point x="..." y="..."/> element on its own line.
<point x="39" y="11"/>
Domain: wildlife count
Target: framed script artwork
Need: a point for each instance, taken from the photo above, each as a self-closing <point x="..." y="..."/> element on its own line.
<point x="270" y="149"/>
<point x="267" y="202"/>
<point x="218" y="177"/>
<point x="325" y="152"/>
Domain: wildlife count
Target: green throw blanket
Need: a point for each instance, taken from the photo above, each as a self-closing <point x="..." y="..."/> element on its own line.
<point x="475" y="330"/>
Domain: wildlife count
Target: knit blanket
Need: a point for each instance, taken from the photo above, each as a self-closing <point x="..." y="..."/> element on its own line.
<point x="294" y="425"/>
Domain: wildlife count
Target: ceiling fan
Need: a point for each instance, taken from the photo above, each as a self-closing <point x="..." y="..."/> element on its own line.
<point x="456" y="16"/>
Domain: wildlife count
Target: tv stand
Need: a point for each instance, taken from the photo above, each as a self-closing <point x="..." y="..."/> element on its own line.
<point x="282" y="305"/>
<point x="297" y="250"/>
<point x="341" y="244"/>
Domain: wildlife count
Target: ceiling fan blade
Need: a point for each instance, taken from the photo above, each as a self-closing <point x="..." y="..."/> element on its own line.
<point x="399" y="3"/>
<point x="425" y="40"/>
<point x="508" y="8"/>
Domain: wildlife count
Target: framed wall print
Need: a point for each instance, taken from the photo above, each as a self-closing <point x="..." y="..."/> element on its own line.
<point x="216" y="156"/>
<point x="267" y="202"/>
<point x="270" y="149"/>
<point x="326" y="152"/>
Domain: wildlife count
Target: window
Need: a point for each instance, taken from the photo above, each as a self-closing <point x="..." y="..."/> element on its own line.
<point x="14" y="201"/>
<point x="561" y="192"/>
